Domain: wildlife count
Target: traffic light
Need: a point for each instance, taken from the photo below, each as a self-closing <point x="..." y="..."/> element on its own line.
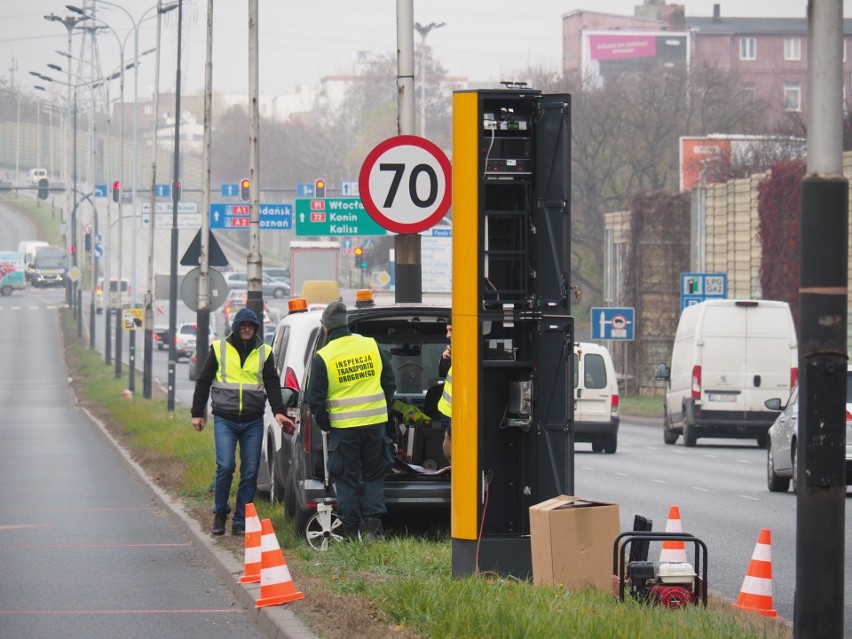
<point x="319" y="188"/>
<point x="87" y="242"/>
<point x="116" y="191"/>
<point x="360" y="258"/>
<point x="72" y="249"/>
<point x="176" y="190"/>
<point x="244" y="189"/>
<point x="43" y="189"/>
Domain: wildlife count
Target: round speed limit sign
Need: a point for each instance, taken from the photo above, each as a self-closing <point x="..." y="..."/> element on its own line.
<point x="406" y="184"/>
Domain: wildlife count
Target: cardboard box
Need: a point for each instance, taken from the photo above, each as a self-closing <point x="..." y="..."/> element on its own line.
<point x="571" y="541"/>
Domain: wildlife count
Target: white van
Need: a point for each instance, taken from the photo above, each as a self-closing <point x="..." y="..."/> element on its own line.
<point x="729" y="357"/>
<point x="113" y="295"/>
<point x="28" y="249"/>
<point x="596" y="403"/>
<point x="36" y="175"/>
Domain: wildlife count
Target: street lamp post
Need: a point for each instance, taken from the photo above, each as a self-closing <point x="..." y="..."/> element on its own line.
<point x="424" y="31"/>
<point x="69" y="22"/>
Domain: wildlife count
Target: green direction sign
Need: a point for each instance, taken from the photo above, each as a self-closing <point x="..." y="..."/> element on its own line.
<point x="344" y="216"/>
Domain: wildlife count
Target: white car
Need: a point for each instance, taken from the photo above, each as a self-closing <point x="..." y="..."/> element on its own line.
<point x="782" y="452"/>
<point x="185" y="340"/>
<point x="596" y="406"/>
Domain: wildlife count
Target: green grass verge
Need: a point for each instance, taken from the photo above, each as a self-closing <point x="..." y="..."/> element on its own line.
<point x="406" y="580"/>
<point x="642" y="406"/>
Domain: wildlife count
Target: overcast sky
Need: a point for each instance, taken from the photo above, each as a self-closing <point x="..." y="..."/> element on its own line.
<point x="304" y="40"/>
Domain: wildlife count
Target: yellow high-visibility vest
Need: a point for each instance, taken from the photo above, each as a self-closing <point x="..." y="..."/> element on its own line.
<point x="355" y="395"/>
<point x="445" y="404"/>
<point x="238" y="388"/>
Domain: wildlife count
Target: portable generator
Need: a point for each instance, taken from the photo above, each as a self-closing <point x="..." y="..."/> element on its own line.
<point x="673" y="584"/>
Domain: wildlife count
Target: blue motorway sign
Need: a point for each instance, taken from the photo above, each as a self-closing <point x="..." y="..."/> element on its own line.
<point x="230" y="190"/>
<point x="100" y="190"/>
<point x="613" y="323"/>
<point x="697" y="287"/>
<point x="162" y="190"/>
<point x="272" y="217"/>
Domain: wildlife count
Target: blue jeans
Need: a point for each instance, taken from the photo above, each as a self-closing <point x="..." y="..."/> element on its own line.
<point x="249" y="435"/>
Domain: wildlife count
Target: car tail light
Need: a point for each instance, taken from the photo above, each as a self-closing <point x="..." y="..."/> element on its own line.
<point x="290" y="379"/>
<point x="848" y="416"/>
<point x="794" y="377"/>
<point x="696" y="382"/>
<point x="614" y="406"/>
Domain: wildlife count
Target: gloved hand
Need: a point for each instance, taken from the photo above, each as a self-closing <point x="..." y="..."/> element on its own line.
<point x="326" y="428"/>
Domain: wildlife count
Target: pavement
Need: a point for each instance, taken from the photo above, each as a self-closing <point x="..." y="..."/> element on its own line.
<point x="276" y="622"/>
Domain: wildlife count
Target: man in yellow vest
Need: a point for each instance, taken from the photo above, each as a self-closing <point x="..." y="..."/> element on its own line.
<point x="350" y="392"/>
<point x="242" y="376"/>
<point x="445" y="404"/>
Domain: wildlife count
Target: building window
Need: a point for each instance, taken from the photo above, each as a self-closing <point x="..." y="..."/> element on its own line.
<point x="749" y="92"/>
<point x="792" y="96"/>
<point x="748" y="49"/>
<point x="792" y="49"/>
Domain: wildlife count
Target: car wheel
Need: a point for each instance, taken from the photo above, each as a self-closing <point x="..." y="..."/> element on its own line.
<point x="690" y="437"/>
<point x="775" y="483"/>
<point x="763" y="440"/>
<point x="276" y="489"/>
<point x="597" y="447"/>
<point x="610" y="444"/>
<point x="191" y="372"/>
<point x="669" y="435"/>
<point x="289" y="496"/>
<point x="279" y="293"/>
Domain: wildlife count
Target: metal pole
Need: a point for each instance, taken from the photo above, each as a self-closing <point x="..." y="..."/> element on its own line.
<point x="408" y="268"/>
<point x="254" y="266"/>
<point x="174" y="246"/>
<point x="823" y="288"/>
<point x="131" y="371"/>
<point x="119" y="254"/>
<point x="148" y="356"/>
<point x="203" y="313"/>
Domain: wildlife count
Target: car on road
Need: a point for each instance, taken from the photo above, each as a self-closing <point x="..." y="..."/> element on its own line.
<point x="271" y="287"/>
<point x="783" y="450"/>
<point x="237" y="299"/>
<point x="110" y="299"/>
<point x="413" y="337"/>
<point x="277" y="273"/>
<point x="596" y="417"/>
<point x="185" y="340"/>
<point x="161" y="337"/>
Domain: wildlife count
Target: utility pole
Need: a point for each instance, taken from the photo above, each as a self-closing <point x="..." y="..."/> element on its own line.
<point x="174" y="247"/>
<point x="408" y="268"/>
<point x="148" y="348"/>
<point x="203" y="314"/>
<point x="254" y="263"/>
<point x="823" y="290"/>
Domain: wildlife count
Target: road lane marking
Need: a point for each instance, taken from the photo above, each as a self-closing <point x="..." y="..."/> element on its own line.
<point x="622" y="475"/>
<point x="711" y="456"/>
<point x="749" y="497"/>
<point x="703" y="490"/>
<point x="659" y="481"/>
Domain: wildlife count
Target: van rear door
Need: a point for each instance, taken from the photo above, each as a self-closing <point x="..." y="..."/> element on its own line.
<point x="745" y="356"/>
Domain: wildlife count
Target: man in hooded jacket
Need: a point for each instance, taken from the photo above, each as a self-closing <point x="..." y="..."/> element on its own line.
<point x="239" y="373"/>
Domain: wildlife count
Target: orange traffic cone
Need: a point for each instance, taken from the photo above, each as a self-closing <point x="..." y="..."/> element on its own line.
<point x="756" y="592"/>
<point x="253" y="535"/>
<point x="276" y="584"/>
<point x="674" y="550"/>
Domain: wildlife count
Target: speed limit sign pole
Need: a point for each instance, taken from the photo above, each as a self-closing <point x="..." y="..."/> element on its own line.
<point x="406" y="187"/>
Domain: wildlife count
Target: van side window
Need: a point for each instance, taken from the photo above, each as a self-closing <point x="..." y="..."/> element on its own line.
<point x="594" y="371"/>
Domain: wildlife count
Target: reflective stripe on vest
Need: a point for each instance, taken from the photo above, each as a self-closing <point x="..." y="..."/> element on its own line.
<point x="445" y="404"/>
<point x="238" y="389"/>
<point x="355" y="395"/>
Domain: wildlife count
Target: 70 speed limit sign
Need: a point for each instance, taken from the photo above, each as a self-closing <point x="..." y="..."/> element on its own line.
<point x="406" y="184"/>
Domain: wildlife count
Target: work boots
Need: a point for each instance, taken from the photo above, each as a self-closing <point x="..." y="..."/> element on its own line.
<point x="218" y="527"/>
<point x="371" y="529"/>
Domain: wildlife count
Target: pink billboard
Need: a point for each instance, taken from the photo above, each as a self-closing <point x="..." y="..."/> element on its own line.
<point x="620" y="46"/>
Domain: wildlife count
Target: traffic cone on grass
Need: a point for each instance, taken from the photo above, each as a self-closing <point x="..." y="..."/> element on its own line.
<point x="276" y="584"/>
<point x="756" y="592"/>
<point x="252" y="541"/>
<point x="674" y="550"/>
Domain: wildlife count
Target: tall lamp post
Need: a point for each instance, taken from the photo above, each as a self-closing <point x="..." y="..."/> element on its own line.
<point x="70" y="22"/>
<point x="424" y="31"/>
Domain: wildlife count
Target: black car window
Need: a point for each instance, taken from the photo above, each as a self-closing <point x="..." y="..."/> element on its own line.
<point x="594" y="371"/>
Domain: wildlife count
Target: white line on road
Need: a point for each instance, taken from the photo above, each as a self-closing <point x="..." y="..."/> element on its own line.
<point x="711" y="456"/>
<point x="703" y="490"/>
<point x="622" y="475"/>
<point x="745" y="461"/>
<point x="749" y="497"/>
<point x="659" y="481"/>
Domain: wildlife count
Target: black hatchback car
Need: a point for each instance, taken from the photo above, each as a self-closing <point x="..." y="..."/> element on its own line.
<point x="413" y="337"/>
